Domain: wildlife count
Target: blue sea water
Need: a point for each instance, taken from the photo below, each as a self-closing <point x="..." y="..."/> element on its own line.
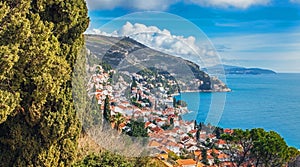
<point x="271" y="102"/>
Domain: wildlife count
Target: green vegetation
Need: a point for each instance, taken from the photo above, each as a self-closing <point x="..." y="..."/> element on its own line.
<point x="106" y="110"/>
<point x="204" y="157"/>
<point x="118" y="119"/>
<point x="262" y="147"/>
<point x="133" y="84"/>
<point x="106" y="67"/>
<point x="249" y="147"/>
<point x="173" y="156"/>
<point x="216" y="159"/>
<point x="177" y="103"/>
<point x="134" y="102"/>
<point x="166" y="126"/>
<point x="40" y="42"/>
<point x="137" y="129"/>
<point x="107" y="159"/>
<point x="181" y="103"/>
<point x="156" y="76"/>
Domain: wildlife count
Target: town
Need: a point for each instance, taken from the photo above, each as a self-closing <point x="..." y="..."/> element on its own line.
<point x="175" y="142"/>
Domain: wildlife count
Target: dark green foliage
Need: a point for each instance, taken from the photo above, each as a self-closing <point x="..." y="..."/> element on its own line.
<point x="204" y="157"/>
<point x="133" y="84"/>
<point x="40" y="41"/>
<point x="190" y="135"/>
<point x="80" y="96"/>
<point x="134" y="102"/>
<point x="181" y="103"/>
<point x="106" y="67"/>
<point x="172" y="121"/>
<point x="174" y="102"/>
<point x="195" y="124"/>
<point x="218" y="132"/>
<point x="264" y="148"/>
<point x="137" y="129"/>
<point x="198" y="135"/>
<point x="177" y="103"/>
<point x="166" y="126"/>
<point x="107" y="111"/>
<point x="269" y="148"/>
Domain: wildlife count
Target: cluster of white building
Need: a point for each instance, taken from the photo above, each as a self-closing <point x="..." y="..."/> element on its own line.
<point x="167" y="131"/>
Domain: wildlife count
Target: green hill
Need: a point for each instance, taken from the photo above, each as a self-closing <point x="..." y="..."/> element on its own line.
<point x="128" y="55"/>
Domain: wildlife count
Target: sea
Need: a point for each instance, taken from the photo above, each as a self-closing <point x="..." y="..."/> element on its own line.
<point x="269" y="101"/>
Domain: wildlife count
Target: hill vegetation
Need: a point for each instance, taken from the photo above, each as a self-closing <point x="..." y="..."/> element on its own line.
<point x="40" y="42"/>
<point x="258" y="147"/>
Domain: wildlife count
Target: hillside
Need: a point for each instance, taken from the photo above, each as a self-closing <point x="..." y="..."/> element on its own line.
<point x="129" y="56"/>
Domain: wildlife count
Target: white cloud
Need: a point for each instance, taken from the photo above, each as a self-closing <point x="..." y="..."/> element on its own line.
<point x="162" y="5"/>
<point x="159" y="5"/>
<point x="295" y="1"/>
<point x="163" y="40"/>
<point x="278" y="51"/>
<point x="99" y="32"/>
<point x="243" y="4"/>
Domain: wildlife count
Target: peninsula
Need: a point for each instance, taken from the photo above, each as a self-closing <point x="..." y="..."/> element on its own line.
<point x="229" y="69"/>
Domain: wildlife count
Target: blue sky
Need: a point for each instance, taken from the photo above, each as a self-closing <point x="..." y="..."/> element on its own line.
<point x="251" y="33"/>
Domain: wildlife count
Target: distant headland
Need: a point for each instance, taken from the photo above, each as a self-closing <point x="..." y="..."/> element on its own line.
<point x="229" y="69"/>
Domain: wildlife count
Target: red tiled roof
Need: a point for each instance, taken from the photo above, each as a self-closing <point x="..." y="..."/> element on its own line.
<point x="227" y="164"/>
<point x="213" y="150"/>
<point x="210" y="157"/>
<point x="193" y="131"/>
<point x="157" y="129"/>
<point x="221" y="142"/>
<point x="222" y="156"/>
<point x="197" y="153"/>
<point x="147" y="124"/>
<point x="186" y="162"/>
<point x="229" y="131"/>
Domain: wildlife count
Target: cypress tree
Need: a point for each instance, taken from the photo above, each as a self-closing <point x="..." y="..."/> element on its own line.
<point x="40" y="42"/>
<point x="198" y="135"/>
<point x="172" y="121"/>
<point x="204" y="157"/>
<point x="174" y="102"/>
<point x="107" y="112"/>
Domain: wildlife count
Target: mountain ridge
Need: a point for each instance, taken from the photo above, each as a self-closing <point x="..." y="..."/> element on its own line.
<point x="126" y="54"/>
